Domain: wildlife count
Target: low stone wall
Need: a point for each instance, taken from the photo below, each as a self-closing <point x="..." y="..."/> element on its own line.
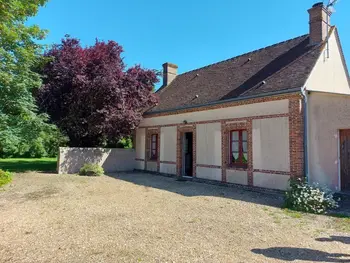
<point x="112" y="160"/>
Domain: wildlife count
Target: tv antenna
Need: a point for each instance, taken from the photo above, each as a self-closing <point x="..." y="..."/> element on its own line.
<point x="330" y="8"/>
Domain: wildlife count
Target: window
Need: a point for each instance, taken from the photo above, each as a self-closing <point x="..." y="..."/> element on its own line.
<point x="239" y="148"/>
<point x="154" y="147"/>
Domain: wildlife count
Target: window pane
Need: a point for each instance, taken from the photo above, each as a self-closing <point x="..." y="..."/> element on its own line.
<point x="154" y="138"/>
<point x="245" y="147"/>
<point x="245" y="158"/>
<point x="235" y="157"/>
<point x="235" y="136"/>
<point x="244" y="135"/>
<point x="234" y="146"/>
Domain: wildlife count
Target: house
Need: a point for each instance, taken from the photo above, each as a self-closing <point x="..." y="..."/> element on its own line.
<point x="257" y="119"/>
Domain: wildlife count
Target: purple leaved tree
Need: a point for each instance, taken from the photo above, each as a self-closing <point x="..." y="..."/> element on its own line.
<point x="91" y="96"/>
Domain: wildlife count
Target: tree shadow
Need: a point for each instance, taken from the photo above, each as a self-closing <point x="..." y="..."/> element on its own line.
<point x="192" y="188"/>
<point x="306" y="254"/>
<point x="72" y="159"/>
<point x="24" y="165"/>
<point x="341" y="239"/>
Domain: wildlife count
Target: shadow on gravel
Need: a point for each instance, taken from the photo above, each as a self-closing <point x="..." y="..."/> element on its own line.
<point x="341" y="239"/>
<point x="305" y="254"/>
<point x="190" y="189"/>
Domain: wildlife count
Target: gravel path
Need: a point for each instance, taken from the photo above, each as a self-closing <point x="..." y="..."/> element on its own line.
<point x="148" y="218"/>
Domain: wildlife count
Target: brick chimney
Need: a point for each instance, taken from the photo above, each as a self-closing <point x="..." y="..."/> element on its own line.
<point x="169" y="73"/>
<point x="319" y="23"/>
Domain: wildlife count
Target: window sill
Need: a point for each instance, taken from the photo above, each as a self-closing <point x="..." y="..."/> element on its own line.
<point x="152" y="160"/>
<point x="237" y="167"/>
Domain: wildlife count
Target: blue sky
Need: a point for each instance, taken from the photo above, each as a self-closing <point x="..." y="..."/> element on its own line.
<point x="189" y="33"/>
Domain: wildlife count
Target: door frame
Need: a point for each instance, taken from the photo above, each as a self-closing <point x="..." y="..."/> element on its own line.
<point x="183" y="156"/>
<point x="181" y="130"/>
<point x="339" y="158"/>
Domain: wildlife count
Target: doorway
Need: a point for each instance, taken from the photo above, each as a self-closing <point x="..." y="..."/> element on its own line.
<point x="187" y="154"/>
<point x="345" y="160"/>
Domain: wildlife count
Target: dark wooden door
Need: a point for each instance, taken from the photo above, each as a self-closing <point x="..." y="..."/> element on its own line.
<point x="345" y="160"/>
<point x="188" y="153"/>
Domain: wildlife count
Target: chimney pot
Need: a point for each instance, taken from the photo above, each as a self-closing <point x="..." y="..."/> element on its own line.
<point x="318" y="4"/>
<point x="319" y="23"/>
<point x="169" y="73"/>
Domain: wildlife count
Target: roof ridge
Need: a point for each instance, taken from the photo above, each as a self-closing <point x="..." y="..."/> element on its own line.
<point x="244" y="54"/>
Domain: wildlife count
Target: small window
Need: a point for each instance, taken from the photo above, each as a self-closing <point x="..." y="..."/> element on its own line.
<point x="154" y="147"/>
<point x="239" y="148"/>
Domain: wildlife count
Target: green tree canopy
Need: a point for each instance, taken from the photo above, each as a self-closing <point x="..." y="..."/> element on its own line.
<point x="20" y="54"/>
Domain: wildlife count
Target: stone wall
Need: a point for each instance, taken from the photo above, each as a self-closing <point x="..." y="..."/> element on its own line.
<point x="112" y="160"/>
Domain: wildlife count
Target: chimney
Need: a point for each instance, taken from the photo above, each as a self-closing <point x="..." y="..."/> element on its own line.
<point x="169" y="73"/>
<point x="319" y="23"/>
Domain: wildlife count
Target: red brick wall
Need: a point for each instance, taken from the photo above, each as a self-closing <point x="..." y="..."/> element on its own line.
<point x="296" y="137"/>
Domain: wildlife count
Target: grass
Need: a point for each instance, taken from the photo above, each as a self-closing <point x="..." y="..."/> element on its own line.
<point x="292" y="213"/>
<point x="341" y="222"/>
<point x="28" y="164"/>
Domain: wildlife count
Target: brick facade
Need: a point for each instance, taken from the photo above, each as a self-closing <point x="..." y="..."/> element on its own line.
<point x="296" y="140"/>
<point x="296" y="137"/>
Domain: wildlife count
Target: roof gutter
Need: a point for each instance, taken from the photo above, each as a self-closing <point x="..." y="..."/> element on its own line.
<point x="306" y="125"/>
<point x="267" y="94"/>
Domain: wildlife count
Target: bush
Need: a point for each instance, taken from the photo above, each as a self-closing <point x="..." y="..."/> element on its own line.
<point x="5" y="177"/>
<point x="309" y="198"/>
<point x="90" y="169"/>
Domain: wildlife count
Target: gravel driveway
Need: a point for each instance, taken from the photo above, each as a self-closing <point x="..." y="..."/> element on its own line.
<point x="148" y="218"/>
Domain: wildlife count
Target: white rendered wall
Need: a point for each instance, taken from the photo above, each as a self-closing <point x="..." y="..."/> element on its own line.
<point x="271" y="144"/>
<point x="140" y="165"/>
<point x="256" y="109"/>
<point x="152" y="166"/>
<point x="327" y="114"/>
<point x="209" y="173"/>
<point x="167" y="168"/>
<point x="272" y="181"/>
<point x="140" y="143"/>
<point x="329" y="74"/>
<point x="209" y="144"/>
<point x="168" y="140"/>
<point x="237" y="177"/>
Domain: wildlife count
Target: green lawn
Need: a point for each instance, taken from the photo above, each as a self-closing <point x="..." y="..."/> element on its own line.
<point x="28" y="164"/>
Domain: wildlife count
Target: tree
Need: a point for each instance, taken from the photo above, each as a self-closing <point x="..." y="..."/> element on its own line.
<point x="91" y="96"/>
<point x="19" y="55"/>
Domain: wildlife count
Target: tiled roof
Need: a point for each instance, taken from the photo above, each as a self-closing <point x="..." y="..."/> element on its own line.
<point x="280" y="67"/>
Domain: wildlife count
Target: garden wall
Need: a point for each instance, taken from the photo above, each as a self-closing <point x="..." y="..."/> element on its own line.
<point x="112" y="160"/>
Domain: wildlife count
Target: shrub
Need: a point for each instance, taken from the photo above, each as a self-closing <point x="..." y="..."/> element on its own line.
<point x="5" y="177"/>
<point x="90" y="169"/>
<point x="309" y="198"/>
